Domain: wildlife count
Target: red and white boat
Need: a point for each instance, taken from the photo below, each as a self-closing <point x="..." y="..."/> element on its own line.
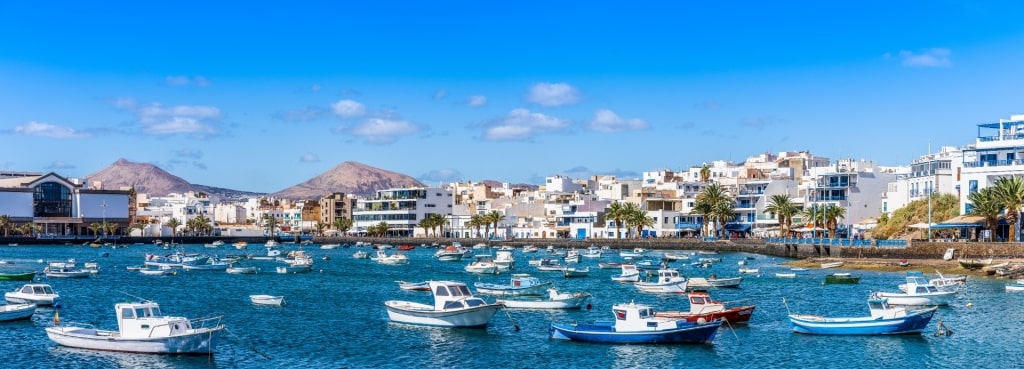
<point x="703" y="307"/>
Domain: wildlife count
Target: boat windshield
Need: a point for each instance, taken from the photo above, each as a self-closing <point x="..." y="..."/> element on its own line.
<point x="475" y="302"/>
<point x="464" y="291"/>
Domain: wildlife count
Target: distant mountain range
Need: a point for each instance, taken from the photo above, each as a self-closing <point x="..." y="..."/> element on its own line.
<point x="348" y="177"/>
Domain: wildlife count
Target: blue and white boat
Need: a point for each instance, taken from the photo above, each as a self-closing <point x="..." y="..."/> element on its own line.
<point x="884" y="320"/>
<point x="454" y="306"/>
<point x="636" y="323"/>
<point x="520" y="285"/>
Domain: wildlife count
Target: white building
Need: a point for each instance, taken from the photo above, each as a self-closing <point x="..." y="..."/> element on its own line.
<point x="60" y="207"/>
<point x="401" y="209"/>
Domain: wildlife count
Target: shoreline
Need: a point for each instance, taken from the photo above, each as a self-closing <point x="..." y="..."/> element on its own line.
<point x="926" y="266"/>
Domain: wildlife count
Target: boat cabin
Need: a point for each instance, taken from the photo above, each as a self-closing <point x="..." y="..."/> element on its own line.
<point x="669" y="276"/>
<point x="143" y="319"/>
<point x="917" y="284"/>
<point x="453" y="295"/>
<point x="634" y="317"/>
<point x="880" y="309"/>
<point x="701" y="303"/>
<point x="38" y="289"/>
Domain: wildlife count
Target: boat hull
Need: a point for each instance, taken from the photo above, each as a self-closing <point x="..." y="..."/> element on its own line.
<point x="939" y="298"/>
<point x="604" y="332"/>
<point x="199" y="342"/>
<point x="420" y="314"/>
<point x="679" y="287"/>
<point x="734" y="315"/>
<point x="575" y="302"/>
<point x="833" y="279"/>
<point x="16" y="312"/>
<point x="17" y="276"/>
<point x="509" y="290"/>
<point x="913" y="323"/>
<point x="701" y="283"/>
<point x="267" y="300"/>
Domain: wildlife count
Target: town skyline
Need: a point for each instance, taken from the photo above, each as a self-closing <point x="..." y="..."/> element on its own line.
<point x="260" y="99"/>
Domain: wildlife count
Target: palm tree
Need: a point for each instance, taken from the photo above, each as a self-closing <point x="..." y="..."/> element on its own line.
<point x="320" y="226"/>
<point x="639" y="219"/>
<point x="723" y="212"/>
<point x="1010" y="193"/>
<point x="477" y="221"/>
<point x="705" y="174"/>
<point x="343" y="224"/>
<point x="777" y="206"/>
<point x="271" y="224"/>
<point x="426" y="224"/>
<point x="27" y="228"/>
<point x="437" y="221"/>
<point x="831" y="216"/>
<point x="715" y="205"/>
<point x="5" y="223"/>
<point x="986" y="206"/>
<point x="173" y="224"/>
<point x="95" y="227"/>
<point x="616" y="214"/>
<point x="815" y="214"/>
<point x="629" y="215"/>
<point x="494" y="217"/>
<point x="140" y="226"/>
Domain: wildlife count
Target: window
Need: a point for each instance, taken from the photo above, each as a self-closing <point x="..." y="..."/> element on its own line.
<point x="52" y="199"/>
<point x="127" y="313"/>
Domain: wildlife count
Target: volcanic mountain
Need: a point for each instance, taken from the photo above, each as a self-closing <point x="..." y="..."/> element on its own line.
<point x="351" y="178"/>
<point x="150" y="179"/>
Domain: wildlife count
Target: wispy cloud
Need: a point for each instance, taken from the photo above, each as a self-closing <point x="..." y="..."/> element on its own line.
<point x="709" y="105"/>
<point x="315" y="87"/>
<point x="347" y="109"/>
<point x="521" y="124"/>
<point x="186" y="80"/>
<point x="758" y="122"/>
<point x="380" y="130"/>
<point x="48" y="130"/>
<point x="440" y="94"/>
<point x="309" y="113"/>
<point x="188" y="153"/>
<point x="60" y="165"/>
<point x="687" y="125"/>
<point x="936" y="57"/>
<point x="309" y="158"/>
<point x="476" y="100"/>
<point x="441" y="175"/>
<point x="194" y="120"/>
<point x="607" y="121"/>
<point x="553" y="94"/>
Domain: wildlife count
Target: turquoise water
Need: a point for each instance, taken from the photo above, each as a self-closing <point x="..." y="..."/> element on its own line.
<point x="335" y="318"/>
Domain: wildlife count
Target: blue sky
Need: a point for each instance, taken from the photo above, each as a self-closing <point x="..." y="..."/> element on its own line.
<point x="265" y="95"/>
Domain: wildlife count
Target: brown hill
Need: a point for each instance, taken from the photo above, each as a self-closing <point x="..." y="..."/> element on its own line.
<point x="146" y="178"/>
<point x="348" y="177"/>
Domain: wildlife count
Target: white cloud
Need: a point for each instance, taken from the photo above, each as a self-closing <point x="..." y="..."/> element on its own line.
<point x="60" y="165"/>
<point x="607" y="121"/>
<point x="441" y="175"/>
<point x="937" y="57"/>
<point x="476" y="100"/>
<point x="348" y="109"/>
<point x="122" y="102"/>
<point x="188" y="153"/>
<point x="440" y="94"/>
<point x="521" y="124"/>
<point x="553" y="94"/>
<point x="315" y="87"/>
<point x="186" y="80"/>
<point x="309" y="158"/>
<point x="301" y="115"/>
<point x="48" y="130"/>
<point x="382" y="131"/>
<point x="197" y="120"/>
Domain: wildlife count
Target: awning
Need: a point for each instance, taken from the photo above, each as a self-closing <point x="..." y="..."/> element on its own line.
<point x="687" y="226"/>
<point x="922" y="225"/>
<point x="737" y="227"/>
<point x="961" y="222"/>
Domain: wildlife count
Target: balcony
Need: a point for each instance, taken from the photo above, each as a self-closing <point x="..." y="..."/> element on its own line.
<point x="993" y="163"/>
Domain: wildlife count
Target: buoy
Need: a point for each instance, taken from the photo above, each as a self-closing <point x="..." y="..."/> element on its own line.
<point x="970" y="304"/>
<point x="589" y="306"/>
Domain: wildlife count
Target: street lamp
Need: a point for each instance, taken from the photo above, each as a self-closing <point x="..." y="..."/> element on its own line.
<point x="104" y="206"/>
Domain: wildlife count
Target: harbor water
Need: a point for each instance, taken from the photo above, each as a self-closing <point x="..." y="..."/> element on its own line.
<point x="335" y="317"/>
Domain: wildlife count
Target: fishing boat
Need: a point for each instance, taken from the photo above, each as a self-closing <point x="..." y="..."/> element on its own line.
<point x="629" y="274"/>
<point x="636" y="323"/>
<point x="703" y="308"/>
<point x="576" y="272"/>
<point x="33" y="293"/>
<point x="834" y="264"/>
<point x="329" y="246"/>
<point x="450" y="253"/>
<point x="919" y="292"/>
<point x="749" y="270"/>
<point x="669" y="281"/>
<point x="454" y="306"/>
<point x="1016" y="286"/>
<point x="714" y="282"/>
<point x="785" y="275"/>
<point x="17" y="276"/>
<point x="66" y="273"/>
<point x="884" y="320"/>
<point x="142" y="328"/>
<point x="241" y="245"/>
<point x="382" y="257"/>
<point x="974" y="263"/>
<point x="483" y="264"/>
<point x="519" y="285"/>
<point x="161" y="271"/>
<point x="413" y="286"/>
<point x="242" y="270"/>
<point x="841" y="278"/>
<point x="943" y="283"/>
<point x="554" y="300"/>
<point x="11" y="312"/>
<point x="361" y="254"/>
<point x="267" y="300"/>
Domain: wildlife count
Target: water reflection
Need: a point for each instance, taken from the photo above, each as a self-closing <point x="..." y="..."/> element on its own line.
<point x="108" y="359"/>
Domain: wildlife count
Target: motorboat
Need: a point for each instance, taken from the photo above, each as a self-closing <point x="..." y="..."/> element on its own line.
<point x="553" y="300"/>
<point x="271" y="244"/>
<point x="669" y="281"/>
<point x="267" y="300"/>
<point x="714" y="282"/>
<point x="671" y="256"/>
<point x="482" y="264"/>
<point x="749" y="270"/>
<point x="33" y="293"/>
<point x="212" y="265"/>
<point x="449" y="253"/>
<point x="504" y="260"/>
<point x="636" y="253"/>
<point x="841" y="278"/>
<point x="294" y="268"/>
<point x="242" y="270"/>
<point x="241" y="245"/>
<point x="12" y="312"/>
<point x="161" y="271"/>
<point x="454" y="306"/>
<point x="141" y="328"/>
<point x="785" y="275"/>
<point x="919" y="292"/>
<point x="884" y="320"/>
<point x="530" y="248"/>
<point x="703" y="308"/>
<point x="519" y="285"/>
<point x="413" y="286"/>
<point x="361" y="254"/>
<point x="550" y="265"/>
<point x="629" y="274"/>
<point x="593" y="252"/>
<point x="330" y="246"/>
<point x="28" y="276"/>
<point x="636" y="323"/>
<point x="382" y="257"/>
<point x="214" y="244"/>
<point x="1016" y="286"/>
<point x="572" y="256"/>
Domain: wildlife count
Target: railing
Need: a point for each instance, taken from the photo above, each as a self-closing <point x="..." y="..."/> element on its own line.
<point x="993" y="163"/>
<point x="845" y="242"/>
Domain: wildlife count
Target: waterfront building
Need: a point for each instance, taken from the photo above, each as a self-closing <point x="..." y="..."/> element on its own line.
<point x="59" y="207"/>
<point x="335" y="207"/>
<point x="998" y="151"/>
<point x="933" y="173"/>
<point x="401" y="209"/>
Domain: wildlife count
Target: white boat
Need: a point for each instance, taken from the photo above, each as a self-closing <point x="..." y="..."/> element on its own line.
<point x="713" y="282"/>
<point x="1016" y="286"/>
<point x="834" y="264"/>
<point x="948" y="255"/>
<point x="242" y="270"/>
<point x="454" y="306"/>
<point x="919" y="292"/>
<point x="483" y="264"/>
<point x="530" y="248"/>
<point x="519" y="285"/>
<point x="785" y="275"/>
<point x="749" y="270"/>
<point x="267" y="300"/>
<point x="272" y="244"/>
<point x="629" y="274"/>
<point x="33" y="293"/>
<point x="214" y="244"/>
<point x="213" y="265"/>
<point x="146" y="271"/>
<point x="11" y="312"/>
<point x="142" y="329"/>
<point x="413" y="286"/>
<point x="504" y="260"/>
<point x="330" y="246"/>
<point x="943" y="283"/>
<point x="671" y="256"/>
<point x="669" y="281"/>
<point x="361" y="254"/>
<point x="554" y="300"/>
<point x="382" y="257"/>
<point x="593" y="252"/>
<point x="66" y="273"/>
<point x="636" y="253"/>
<point x="241" y="245"/>
<point x="550" y="265"/>
<point x="575" y="272"/>
<point x="450" y="253"/>
<point x="572" y="256"/>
